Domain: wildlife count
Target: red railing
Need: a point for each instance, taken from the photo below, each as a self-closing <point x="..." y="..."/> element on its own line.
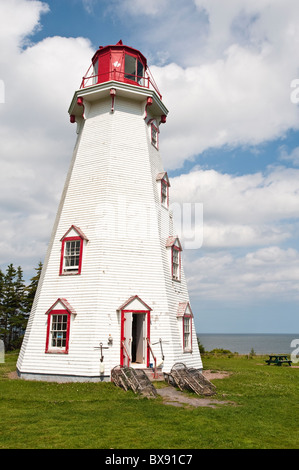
<point x="146" y="81"/>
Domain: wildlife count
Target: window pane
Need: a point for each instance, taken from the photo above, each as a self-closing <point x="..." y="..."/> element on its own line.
<point x="187" y="331"/>
<point x="72" y="255"/>
<point x="58" y="331"/>
<point x="140" y="73"/>
<point x="130" y="67"/>
<point x="175" y="263"/>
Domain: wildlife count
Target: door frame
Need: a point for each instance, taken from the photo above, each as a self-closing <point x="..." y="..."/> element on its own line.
<point x="122" y="334"/>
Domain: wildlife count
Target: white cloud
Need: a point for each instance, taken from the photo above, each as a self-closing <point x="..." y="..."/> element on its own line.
<point x="89" y="5"/>
<point x="246" y="210"/>
<point x="291" y="157"/>
<point x="241" y="99"/>
<point x="36" y="136"/>
<point x="269" y="272"/>
<point x="230" y="91"/>
<point x="228" y="80"/>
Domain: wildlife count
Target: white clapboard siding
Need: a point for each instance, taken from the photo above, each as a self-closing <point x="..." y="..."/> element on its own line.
<point x="112" y="195"/>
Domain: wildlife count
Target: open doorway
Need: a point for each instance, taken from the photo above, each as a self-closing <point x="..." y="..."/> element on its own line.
<point x="135" y="331"/>
<point x="138" y="338"/>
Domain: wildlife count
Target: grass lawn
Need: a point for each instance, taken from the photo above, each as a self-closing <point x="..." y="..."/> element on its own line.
<point x="264" y="413"/>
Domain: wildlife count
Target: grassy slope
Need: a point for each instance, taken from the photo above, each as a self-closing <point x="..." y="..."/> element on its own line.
<point x="49" y="415"/>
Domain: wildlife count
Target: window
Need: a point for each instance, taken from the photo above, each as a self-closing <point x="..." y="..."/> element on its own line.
<point x="134" y="69"/>
<point x="176" y="263"/>
<point x="58" y="331"/>
<point x="72" y="251"/>
<point x="58" y="327"/>
<point x="164" y="193"/>
<point x="164" y="185"/>
<point x="184" y="317"/>
<point x="173" y="244"/>
<point x="71" y="256"/>
<point x="155" y="140"/>
<point x="187" y="333"/>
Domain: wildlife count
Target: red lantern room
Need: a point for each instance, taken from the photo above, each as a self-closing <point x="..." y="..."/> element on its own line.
<point x="120" y="63"/>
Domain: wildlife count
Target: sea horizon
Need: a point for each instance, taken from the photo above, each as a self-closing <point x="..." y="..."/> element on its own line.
<point x="244" y="343"/>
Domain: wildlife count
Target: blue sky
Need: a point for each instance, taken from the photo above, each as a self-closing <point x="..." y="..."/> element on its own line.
<point x="231" y="141"/>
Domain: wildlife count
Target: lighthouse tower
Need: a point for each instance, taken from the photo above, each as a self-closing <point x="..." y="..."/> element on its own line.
<point x="112" y="289"/>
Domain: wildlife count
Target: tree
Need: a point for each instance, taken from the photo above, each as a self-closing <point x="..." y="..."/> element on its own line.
<point x="13" y="315"/>
<point x="31" y="289"/>
<point x="15" y="304"/>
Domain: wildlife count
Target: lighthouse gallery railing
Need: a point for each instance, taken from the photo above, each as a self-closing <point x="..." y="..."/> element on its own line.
<point x="145" y="81"/>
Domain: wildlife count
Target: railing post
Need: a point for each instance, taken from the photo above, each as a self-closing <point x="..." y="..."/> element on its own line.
<point x="155" y="360"/>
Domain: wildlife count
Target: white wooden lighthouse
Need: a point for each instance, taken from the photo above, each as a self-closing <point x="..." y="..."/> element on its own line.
<point x="112" y="290"/>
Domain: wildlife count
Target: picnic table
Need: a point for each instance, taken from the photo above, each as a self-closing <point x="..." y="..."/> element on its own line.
<point x="278" y="359"/>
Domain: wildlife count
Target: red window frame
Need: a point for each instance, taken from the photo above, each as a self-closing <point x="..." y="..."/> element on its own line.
<point x="54" y="349"/>
<point x="176" y="249"/>
<point x="62" y="270"/>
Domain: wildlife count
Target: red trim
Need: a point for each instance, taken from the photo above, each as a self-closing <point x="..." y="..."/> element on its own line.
<point x="64" y="350"/>
<point x="149" y="338"/>
<point x="65" y="303"/>
<point x="122" y="307"/>
<point x="122" y="334"/>
<point x="61" y="270"/>
<point x="108" y="63"/>
<point x="122" y="337"/>
<point x="78" y="230"/>
<point x="149" y="102"/>
<point x="172" y="240"/>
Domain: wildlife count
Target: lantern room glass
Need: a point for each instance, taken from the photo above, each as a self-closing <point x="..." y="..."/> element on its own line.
<point x="134" y="69"/>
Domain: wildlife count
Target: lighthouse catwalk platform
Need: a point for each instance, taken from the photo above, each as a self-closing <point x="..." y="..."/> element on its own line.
<point x="112" y="290"/>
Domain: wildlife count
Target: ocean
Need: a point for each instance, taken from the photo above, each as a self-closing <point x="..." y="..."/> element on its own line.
<point x="243" y="343"/>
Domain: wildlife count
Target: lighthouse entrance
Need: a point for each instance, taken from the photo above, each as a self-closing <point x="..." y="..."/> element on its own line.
<point x="138" y="338"/>
<point x="135" y="331"/>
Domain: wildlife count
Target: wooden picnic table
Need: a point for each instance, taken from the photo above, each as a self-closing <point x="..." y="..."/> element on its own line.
<point x="278" y="359"/>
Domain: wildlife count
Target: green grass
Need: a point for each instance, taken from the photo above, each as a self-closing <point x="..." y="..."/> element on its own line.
<point x="264" y="413"/>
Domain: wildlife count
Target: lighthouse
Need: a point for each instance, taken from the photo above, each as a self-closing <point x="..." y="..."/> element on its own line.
<point x="112" y="290"/>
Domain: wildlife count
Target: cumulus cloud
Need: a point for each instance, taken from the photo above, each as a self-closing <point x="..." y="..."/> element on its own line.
<point x="246" y="210"/>
<point x="293" y="156"/>
<point x="225" y="76"/>
<point x="227" y="71"/>
<point x="269" y="272"/>
<point x="36" y="136"/>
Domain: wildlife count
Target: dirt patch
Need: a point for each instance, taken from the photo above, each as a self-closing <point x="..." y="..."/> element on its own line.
<point x="172" y="396"/>
<point x="13" y="375"/>
<point x="214" y="374"/>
